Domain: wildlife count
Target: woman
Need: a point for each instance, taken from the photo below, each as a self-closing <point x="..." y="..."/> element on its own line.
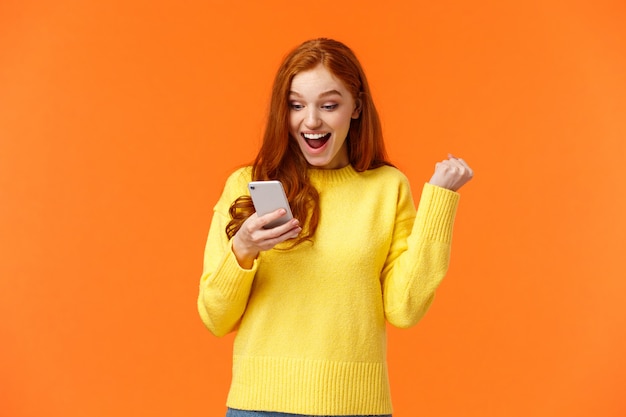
<point x="309" y="299"/>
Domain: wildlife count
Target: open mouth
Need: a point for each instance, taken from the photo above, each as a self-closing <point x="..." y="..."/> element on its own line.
<point x="316" y="140"/>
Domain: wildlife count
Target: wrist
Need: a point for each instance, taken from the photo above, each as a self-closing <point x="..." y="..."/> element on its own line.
<point x="245" y="257"/>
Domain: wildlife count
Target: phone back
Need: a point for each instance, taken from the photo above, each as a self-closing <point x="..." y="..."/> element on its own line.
<point x="269" y="196"/>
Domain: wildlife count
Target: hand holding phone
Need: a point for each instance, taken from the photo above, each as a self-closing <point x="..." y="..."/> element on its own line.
<point x="269" y="196"/>
<point x="250" y="239"/>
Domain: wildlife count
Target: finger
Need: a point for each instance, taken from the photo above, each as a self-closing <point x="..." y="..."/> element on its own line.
<point x="290" y="233"/>
<point x="468" y="169"/>
<point x="267" y="238"/>
<point x="270" y="217"/>
<point x="249" y="225"/>
<point x="281" y="229"/>
<point x="451" y="157"/>
<point x="273" y="236"/>
<point x="461" y="160"/>
<point x="459" y="165"/>
<point x="454" y="170"/>
<point x="449" y="165"/>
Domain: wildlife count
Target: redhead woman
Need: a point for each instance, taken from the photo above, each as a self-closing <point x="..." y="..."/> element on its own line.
<point x="310" y="299"/>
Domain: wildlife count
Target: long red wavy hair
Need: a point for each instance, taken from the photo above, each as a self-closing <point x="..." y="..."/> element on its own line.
<point x="280" y="157"/>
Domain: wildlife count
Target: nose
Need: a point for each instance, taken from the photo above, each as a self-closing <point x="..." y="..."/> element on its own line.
<point x="312" y="118"/>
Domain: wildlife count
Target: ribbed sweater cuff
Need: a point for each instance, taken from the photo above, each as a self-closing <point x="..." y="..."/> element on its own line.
<point x="436" y="213"/>
<point x="231" y="279"/>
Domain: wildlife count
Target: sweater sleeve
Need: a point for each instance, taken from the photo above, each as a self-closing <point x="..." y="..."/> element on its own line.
<point x="224" y="285"/>
<point x="419" y="255"/>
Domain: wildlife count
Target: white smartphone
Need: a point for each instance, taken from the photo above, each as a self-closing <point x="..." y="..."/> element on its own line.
<point x="269" y="196"/>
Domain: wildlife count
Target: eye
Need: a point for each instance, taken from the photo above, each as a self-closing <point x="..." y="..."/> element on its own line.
<point x="330" y="107"/>
<point x="296" y="106"/>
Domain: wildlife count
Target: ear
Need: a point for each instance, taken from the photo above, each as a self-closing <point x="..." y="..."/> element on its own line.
<point x="357" y="109"/>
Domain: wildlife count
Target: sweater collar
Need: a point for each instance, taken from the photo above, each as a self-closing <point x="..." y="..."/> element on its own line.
<point x="329" y="176"/>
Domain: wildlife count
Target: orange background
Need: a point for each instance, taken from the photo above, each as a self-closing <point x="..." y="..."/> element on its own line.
<point x="120" y="120"/>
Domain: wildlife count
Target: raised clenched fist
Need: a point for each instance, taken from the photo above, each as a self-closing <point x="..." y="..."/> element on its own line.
<point x="451" y="173"/>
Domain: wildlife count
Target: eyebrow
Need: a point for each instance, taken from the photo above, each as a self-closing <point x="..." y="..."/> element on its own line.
<point x="324" y="94"/>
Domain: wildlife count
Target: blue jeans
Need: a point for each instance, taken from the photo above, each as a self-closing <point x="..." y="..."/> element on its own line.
<point x="244" y="413"/>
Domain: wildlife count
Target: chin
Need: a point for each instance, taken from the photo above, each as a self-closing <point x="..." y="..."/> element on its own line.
<point x="316" y="164"/>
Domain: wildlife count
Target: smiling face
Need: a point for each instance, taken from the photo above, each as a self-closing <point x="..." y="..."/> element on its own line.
<point x="320" y="111"/>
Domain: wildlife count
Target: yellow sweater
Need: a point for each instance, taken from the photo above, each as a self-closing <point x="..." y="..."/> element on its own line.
<point x="310" y="321"/>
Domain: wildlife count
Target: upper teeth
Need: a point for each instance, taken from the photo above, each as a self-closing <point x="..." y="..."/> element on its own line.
<point x="314" y="135"/>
